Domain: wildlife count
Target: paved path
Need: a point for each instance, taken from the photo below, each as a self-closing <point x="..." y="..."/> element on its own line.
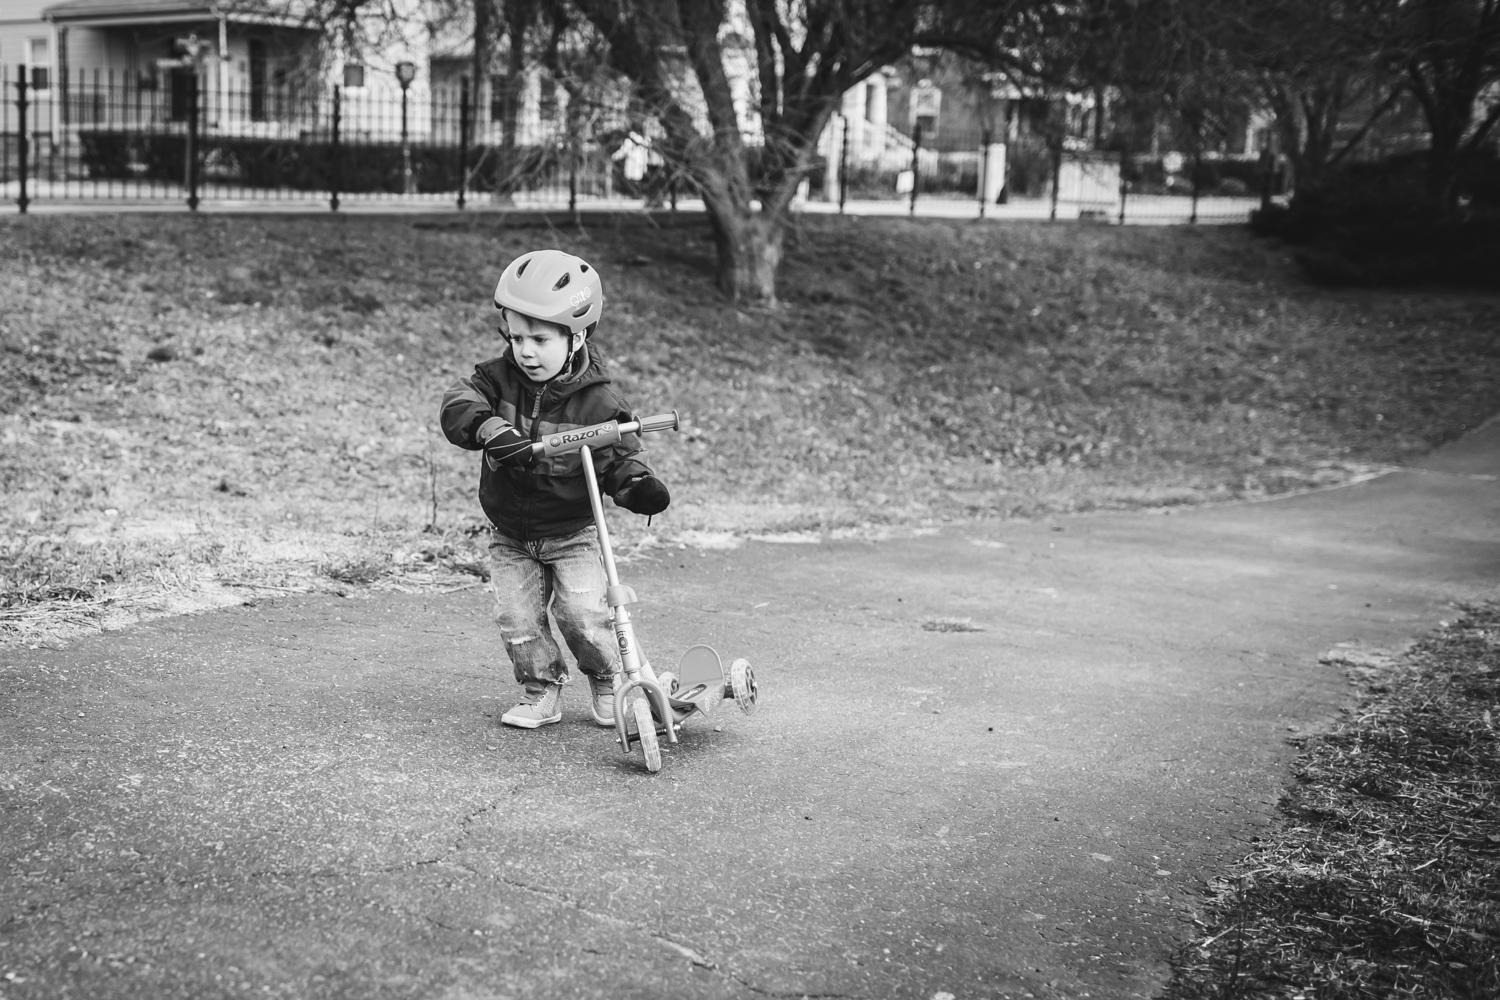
<point x="89" y="198"/>
<point x="313" y="797"/>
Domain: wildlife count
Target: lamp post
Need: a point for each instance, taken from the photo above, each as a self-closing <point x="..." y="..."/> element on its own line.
<point x="406" y="72"/>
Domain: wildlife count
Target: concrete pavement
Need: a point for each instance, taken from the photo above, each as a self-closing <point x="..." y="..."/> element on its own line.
<point x="91" y="198"/>
<point x="998" y="761"/>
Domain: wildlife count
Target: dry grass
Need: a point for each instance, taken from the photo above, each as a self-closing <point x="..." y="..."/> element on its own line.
<point x="205" y="408"/>
<point x="1384" y="881"/>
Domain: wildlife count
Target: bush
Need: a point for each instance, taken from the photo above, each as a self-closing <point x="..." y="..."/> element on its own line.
<point x="1374" y="225"/>
<point x="307" y="164"/>
<point x="952" y="175"/>
<point x="1028" y="170"/>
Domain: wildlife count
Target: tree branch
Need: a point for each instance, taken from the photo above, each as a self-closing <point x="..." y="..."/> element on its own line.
<point x="1375" y="116"/>
<point x="701" y="20"/>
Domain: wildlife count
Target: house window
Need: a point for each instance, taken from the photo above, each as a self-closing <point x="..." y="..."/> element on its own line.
<point x="39" y="59"/>
<point x="547" y="101"/>
<point x="257" y="80"/>
<point x="499" y="92"/>
<point x="354" y="75"/>
<point x="869" y="102"/>
<point x="926" y="104"/>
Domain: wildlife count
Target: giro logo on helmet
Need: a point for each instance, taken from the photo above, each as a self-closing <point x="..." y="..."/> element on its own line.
<point x="581" y="297"/>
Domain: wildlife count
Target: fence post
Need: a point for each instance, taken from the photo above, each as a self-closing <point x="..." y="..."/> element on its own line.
<point x="21" y="140"/>
<point x="573" y="180"/>
<point x="463" y="141"/>
<point x="1267" y="176"/>
<point x="984" y="168"/>
<point x="191" y="167"/>
<point x="4" y="127"/>
<point x="844" y="166"/>
<point x="1197" y="173"/>
<point x="335" y="180"/>
<point x="1124" y="182"/>
<point x="1057" y="152"/>
<point x="916" y="165"/>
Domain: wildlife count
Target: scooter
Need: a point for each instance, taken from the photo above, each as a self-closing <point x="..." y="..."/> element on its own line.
<point x="648" y="704"/>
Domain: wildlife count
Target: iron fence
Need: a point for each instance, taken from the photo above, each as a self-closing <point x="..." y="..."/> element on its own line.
<point x="124" y="136"/>
<point x="175" y="135"/>
<point x="973" y="172"/>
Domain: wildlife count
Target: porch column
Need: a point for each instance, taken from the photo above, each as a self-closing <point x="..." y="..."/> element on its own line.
<point x="62" y="74"/>
<point x="54" y="65"/>
<point x="222" y="117"/>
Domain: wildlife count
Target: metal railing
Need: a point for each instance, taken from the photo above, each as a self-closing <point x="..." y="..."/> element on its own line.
<point x="180" y="135"/>
<point x="119" y="136"/>
<point x="972" y="173"/>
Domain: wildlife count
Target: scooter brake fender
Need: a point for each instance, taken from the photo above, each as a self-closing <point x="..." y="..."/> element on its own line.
<point x="659" y="705"/>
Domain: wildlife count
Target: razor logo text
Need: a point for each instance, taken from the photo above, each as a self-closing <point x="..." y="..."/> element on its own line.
<point x="573" y="437"/>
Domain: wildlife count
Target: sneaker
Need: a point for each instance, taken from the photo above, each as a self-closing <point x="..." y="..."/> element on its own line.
<point x="603" y="691"/>
<point x="539" y="706"/>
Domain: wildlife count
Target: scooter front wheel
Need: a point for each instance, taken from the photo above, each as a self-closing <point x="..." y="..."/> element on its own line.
<point x="742" y="684"/>
<point x="645" y="728"/>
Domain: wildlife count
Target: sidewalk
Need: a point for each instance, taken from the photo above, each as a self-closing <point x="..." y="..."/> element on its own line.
<point x="83" y="197"/>
<point x="993" y="762"/>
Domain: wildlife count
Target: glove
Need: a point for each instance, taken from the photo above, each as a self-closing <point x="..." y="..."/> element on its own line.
<point x="643" y="495"/>
<point x="503" y="444"/>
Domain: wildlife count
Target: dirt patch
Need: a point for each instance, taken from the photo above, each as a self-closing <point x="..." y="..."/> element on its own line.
<point x="1382" y="879"/>
<point x="238" y="404"/>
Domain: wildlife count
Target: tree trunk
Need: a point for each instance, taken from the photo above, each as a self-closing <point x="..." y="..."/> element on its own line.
<point x="749" y="246"/>
<point x="481" y="58"/>
<point x="1442" y="166"/>
<point x="517" y="22"/>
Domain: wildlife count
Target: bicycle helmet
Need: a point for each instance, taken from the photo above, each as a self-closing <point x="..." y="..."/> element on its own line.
<point x="554" y="286"/>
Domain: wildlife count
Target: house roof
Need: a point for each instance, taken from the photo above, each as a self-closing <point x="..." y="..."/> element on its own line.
<point x="144" y="9"/>
<point x="122" y="11"/>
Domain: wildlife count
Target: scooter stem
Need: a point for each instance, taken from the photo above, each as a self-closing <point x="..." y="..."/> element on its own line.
<point x="597" y="502"/>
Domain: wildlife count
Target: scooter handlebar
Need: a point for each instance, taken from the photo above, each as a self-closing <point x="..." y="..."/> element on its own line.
<point x="660" y="422"/>
<point x="599" y="435"/>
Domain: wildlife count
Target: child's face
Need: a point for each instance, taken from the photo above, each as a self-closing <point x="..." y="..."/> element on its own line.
<point x="539" y="347"/>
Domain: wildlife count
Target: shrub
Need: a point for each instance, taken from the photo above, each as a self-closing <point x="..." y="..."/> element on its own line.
<point x="1373" y="224"/>
<point x="306" y="164"/>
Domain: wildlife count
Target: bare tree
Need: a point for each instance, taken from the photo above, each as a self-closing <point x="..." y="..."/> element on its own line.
<point x="747" y="151"/>
<point x="1449" y="51"/>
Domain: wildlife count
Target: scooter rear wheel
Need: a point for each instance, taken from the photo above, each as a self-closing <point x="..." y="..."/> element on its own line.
<point x="645" y="727"/>
<point x="742" y="683"/>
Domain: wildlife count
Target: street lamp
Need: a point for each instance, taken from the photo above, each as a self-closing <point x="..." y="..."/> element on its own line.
<point x="406" y="72"/>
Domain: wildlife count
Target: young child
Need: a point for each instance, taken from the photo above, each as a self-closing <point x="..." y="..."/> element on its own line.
<point x="545" y="547"/>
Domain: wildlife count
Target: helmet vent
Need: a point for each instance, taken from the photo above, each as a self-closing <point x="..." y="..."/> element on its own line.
<point x="583" y="267"/>
<point x="522" y="269"/>
<point x="562" y="281"/>
<point x="580" y="311"/>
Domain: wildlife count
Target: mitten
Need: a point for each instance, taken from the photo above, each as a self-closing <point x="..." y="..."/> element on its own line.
<point x="643" y="495"/>
<point x="503" y="444"/>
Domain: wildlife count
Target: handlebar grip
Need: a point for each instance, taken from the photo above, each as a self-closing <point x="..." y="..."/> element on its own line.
<point x="600" y="435"/>
<point x="660" y="422"/>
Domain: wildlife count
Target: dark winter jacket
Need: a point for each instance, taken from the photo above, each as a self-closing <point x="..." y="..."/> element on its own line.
<point x="549" y="499"/>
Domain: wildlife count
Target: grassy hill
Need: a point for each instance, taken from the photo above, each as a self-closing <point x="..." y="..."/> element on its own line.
<point x="198" y="409"/>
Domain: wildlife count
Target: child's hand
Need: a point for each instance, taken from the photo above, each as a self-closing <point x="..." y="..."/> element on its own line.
<point x="503" y="444"/>
<point x="643" y="495"/>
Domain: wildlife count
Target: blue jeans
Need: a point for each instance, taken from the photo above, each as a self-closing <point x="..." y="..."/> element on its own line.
<point x="567" y="573"/>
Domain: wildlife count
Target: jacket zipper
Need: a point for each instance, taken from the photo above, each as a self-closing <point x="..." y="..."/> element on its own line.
<point x="536" y="410"/>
